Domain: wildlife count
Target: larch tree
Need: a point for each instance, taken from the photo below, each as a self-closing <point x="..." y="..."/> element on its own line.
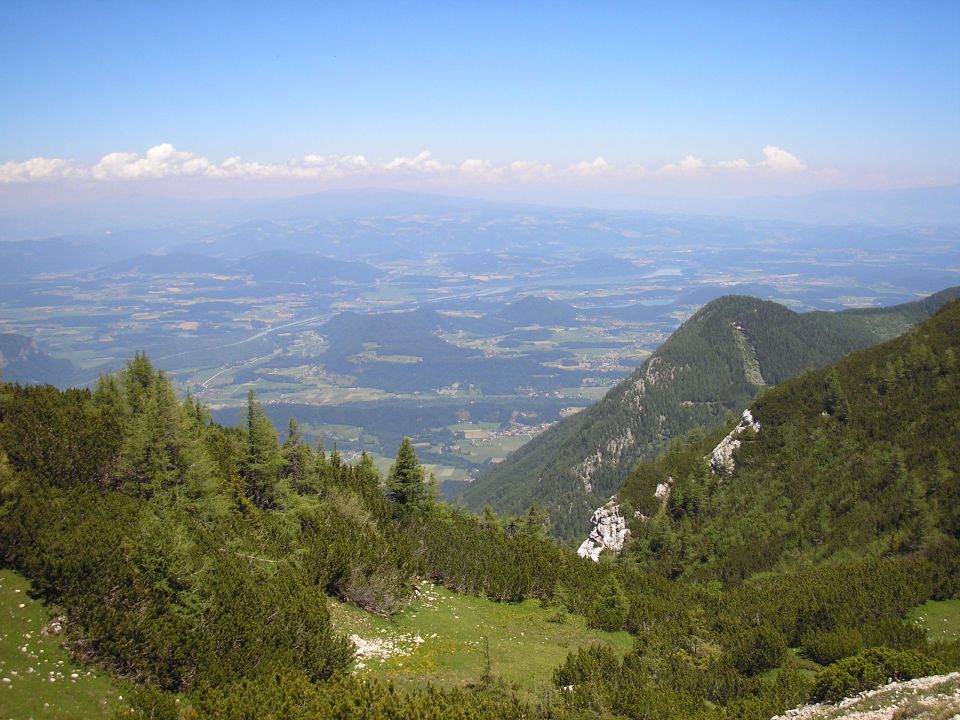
<point x="261" y="466"/>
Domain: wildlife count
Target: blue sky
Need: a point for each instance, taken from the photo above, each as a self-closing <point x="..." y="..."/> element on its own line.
<point x="859" y="94"/>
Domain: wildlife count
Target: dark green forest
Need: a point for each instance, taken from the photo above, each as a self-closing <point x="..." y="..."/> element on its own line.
<point x="860" y="459"/>
<point x="198" y="559"/>
<point x="715" y="363"/>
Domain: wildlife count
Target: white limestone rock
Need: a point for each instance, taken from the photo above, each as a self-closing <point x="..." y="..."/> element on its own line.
<point x="721" y="459"/>
<point x="609" y="531"/>
<point x="608" y="454"/>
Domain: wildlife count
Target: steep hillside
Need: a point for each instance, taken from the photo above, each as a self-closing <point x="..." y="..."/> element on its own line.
<point x="21" y="361"/>
<point x="869" y="326"/>
<point x="861" y="458"/>
<point x="199" y="563"/>
<point x="714" y="363"/>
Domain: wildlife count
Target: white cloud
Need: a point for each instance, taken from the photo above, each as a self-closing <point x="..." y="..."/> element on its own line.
<point x="530" y="170"/>
<point x="740" y="164"/>
<point x="780" y="160"/>
<point x="776" y="159"/>
<point x="337" y="164"/>
<point x="37" y="169"/>
<point x="166" y="161"/>
<point x="597" y="166"/>
<point x="423" y="162"/>
<point x="475" y="166"/>
<point x="689" y="164"/>
<point x="159" y="161"/>
<point x="475" y="170"/>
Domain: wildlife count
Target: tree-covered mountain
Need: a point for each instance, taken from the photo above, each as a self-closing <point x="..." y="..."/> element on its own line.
<point x="533" y="310"/>
<point x="305" y="267"/>
<point x="858" y="459"/>
<point x="351" y="335"/>
<point x="403" y="351"/>
<point x="271" y="266"/>
<point x="196" y="560"/>
<point x="715" y="363"/>
<point x="22" y="361"/>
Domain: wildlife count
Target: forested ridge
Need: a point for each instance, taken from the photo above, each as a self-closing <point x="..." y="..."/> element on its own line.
<point x="860" y="459"/>
<point x="715" y="363"/>
<point x="198" y="559"/>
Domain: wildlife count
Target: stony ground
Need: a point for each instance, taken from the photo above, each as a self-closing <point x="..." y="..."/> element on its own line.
<point x="929" y="698"/>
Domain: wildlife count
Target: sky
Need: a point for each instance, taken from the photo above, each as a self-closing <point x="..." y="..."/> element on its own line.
<point x="700" y="99"/>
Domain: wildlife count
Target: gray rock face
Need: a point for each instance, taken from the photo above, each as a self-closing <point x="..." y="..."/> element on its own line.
<point x="721" y="459"/>
<point x="609" y="531"/>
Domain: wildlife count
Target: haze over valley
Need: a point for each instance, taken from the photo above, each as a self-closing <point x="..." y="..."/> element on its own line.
<point x="513" y="361"/>
<point x="469" y="326"/>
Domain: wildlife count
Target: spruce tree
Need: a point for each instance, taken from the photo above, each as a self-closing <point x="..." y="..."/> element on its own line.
<point x="406" y="481"/>
<point x="297" y="460"/>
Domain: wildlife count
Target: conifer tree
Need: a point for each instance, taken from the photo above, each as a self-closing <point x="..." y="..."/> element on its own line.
<point x="609" y="610"/>
<point x="534" y="523"/>
<point x="262" y="462"/>
<point x="490" y="518"/>
<point x="298" y="460"/>
<point x="366" y="472"/>
<point x="837" y="404"/>
<point x="406" y="481"/>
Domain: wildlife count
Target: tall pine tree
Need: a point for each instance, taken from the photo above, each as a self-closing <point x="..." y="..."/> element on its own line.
<point x="406" y="481"/>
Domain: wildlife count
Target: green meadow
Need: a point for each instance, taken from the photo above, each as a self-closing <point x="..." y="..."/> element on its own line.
<point x="38" y="678"/>
<point x="443" y="637"/>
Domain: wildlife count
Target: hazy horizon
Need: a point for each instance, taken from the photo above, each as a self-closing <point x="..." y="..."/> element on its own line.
<point x="550" y="104"/>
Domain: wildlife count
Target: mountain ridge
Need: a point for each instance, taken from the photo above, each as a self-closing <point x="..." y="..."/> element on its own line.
<point x="858" y="458"/>
<point x="715" y="363"/>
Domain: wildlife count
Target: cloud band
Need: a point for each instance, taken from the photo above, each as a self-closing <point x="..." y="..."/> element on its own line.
<point x="165" y="161"/>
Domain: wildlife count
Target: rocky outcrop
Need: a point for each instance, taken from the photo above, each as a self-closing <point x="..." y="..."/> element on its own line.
<point x="608" y="532"/>
<point x="609" y="454"/>
<point x="663" y="489"/>
<point x="937" y="696"/>
<point x="721" y="459"/>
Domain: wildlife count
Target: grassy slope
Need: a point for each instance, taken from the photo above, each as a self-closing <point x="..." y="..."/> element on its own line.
<point x="40" y="694"/>
<point x="941" y="618"/>
<point x="524" y="646"/>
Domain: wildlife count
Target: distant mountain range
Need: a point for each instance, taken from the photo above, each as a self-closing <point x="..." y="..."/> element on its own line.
<point x="189" y="218"/>
<point x="937" y="205"/>
<point x="715" y="363"/>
